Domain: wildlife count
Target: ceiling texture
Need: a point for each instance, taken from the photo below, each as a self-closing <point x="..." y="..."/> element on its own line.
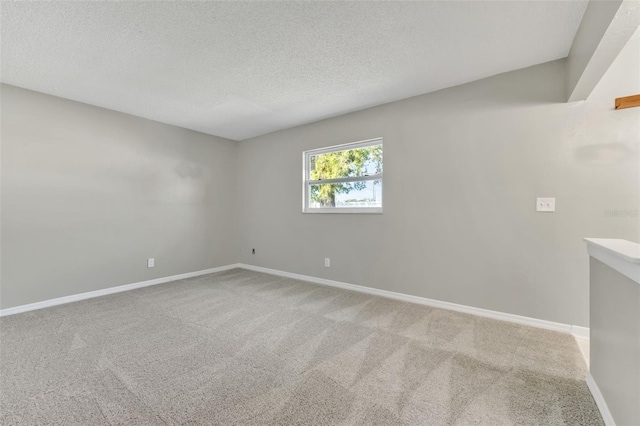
<point x="243" y="69"/>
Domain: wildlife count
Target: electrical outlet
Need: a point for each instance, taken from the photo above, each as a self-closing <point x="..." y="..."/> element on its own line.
<point x="253" y="251"/>
<point x="546" y="205"/>
<point x="327" y="262"/>
<point x="151" y="263"/>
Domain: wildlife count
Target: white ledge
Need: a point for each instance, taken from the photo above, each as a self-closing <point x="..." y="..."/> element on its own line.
<point x="621" y="255"/>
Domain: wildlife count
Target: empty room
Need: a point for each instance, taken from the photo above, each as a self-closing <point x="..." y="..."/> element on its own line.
<point x="320" y="213"/>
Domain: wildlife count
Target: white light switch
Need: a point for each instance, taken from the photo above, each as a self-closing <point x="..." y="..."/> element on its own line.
<point x="151" y="263"/>
<point x="545" y="204"/>
<point x="327" y="262"/>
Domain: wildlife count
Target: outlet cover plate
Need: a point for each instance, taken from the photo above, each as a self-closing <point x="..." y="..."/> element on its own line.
<point x="546" y="204"/>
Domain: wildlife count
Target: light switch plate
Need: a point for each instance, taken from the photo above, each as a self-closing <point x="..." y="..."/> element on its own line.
<point x="547" y="205"/>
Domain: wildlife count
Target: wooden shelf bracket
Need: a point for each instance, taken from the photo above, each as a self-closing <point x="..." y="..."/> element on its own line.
<point x="628" y="102"/>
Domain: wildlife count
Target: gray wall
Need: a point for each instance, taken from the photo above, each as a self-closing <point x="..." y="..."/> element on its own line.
<point x="463" y="168"/>
<point x="615" y="341"/>
<point x="89" y="194"/>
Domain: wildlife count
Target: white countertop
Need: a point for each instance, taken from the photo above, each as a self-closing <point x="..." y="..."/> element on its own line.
<point x="621" y="255"/>
<point x="627" y="250"/>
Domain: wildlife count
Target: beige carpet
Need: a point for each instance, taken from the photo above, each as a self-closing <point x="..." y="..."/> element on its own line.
<point x="241" y="347"/>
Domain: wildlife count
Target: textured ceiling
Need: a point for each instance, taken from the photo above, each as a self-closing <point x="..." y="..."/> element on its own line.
<point x="241" y="69"/>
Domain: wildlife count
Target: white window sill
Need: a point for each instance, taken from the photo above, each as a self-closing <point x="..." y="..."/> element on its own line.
<point x="365" y="210"/>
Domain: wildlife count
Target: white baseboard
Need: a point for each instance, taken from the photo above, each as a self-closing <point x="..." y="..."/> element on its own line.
<point x="577" y="331"/>
<point x="110" y="290"/>
<point x="581" y="332"/>
<point x="600" y="402"/>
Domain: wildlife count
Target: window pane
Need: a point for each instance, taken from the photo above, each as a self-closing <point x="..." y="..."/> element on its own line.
<point x="348" y="163"/>
<point x="366" y="193"/>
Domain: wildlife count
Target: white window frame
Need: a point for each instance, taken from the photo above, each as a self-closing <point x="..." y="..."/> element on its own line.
<point x="307" y="182"/>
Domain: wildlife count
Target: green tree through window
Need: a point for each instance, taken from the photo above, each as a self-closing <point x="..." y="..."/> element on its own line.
<point x="357" y="162"/>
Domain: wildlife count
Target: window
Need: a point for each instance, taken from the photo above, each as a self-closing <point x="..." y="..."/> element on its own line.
<point x="344" y="178"/>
